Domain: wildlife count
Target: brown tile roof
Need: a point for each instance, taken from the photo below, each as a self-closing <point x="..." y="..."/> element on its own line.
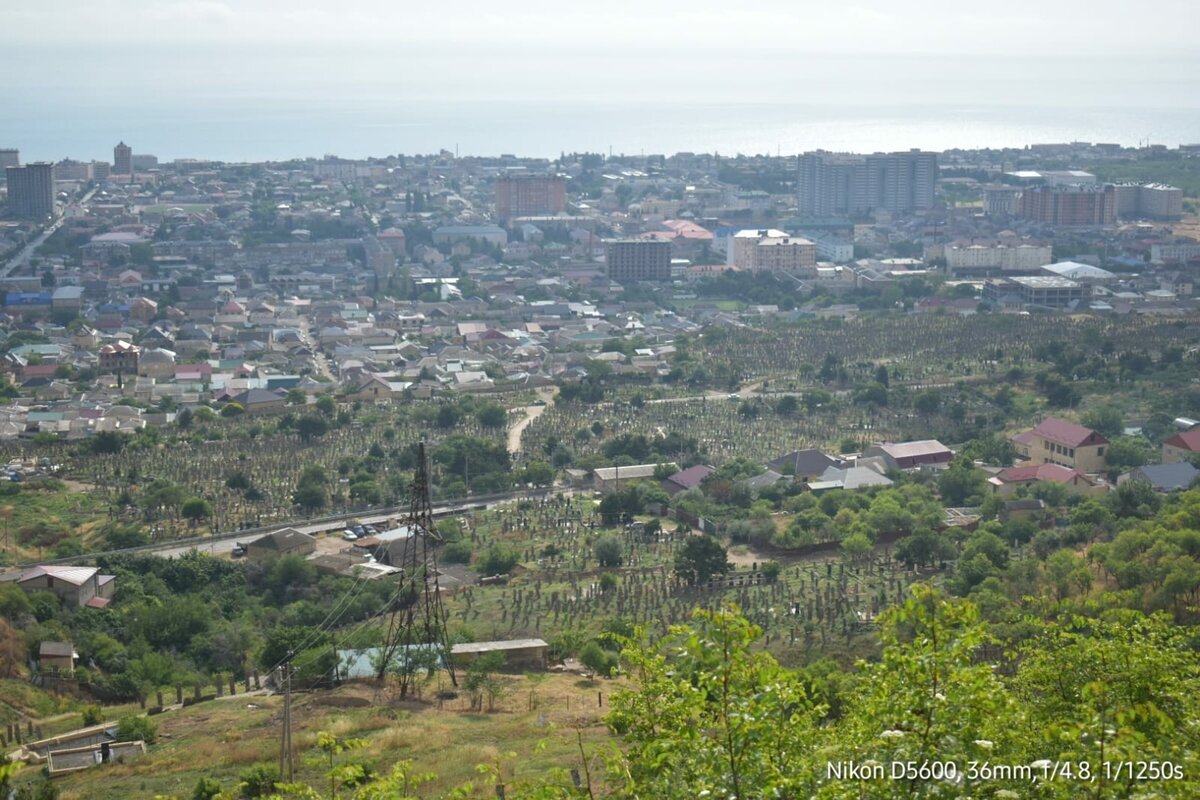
<point x="1067" y="433"/>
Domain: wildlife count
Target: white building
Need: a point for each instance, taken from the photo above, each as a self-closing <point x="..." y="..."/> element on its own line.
<point x="996" y="257"/>
<point x="1174" y="253"/>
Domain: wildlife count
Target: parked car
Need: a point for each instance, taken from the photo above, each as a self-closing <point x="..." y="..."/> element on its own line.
<point x="349" y="535"/>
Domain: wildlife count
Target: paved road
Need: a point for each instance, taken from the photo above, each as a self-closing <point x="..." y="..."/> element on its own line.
<point x="225" y="546"/>
<point x="22" y="258"/>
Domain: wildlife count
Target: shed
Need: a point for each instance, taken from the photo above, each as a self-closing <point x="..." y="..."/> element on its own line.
<point x="288" y="541"/>
<point x="518" y="653"/>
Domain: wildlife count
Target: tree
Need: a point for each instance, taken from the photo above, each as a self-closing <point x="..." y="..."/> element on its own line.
<point x="108" y="442"/>
<point x="1106" y="420"/>
<point x="1126" y="452"/>
<point x="296" y="397"/>
<point x="238" y="481"/>
<point x="597" y="659"/>
<point x="326" y="405"/>
<point x="232" y="409"/>
<point x="539" y="473"/>
<point x="700" y="558"/>
<point x="608" y="551"/>
<point x="962" y="483"/>
<point x="196" y="509"/>
<point x="312" y="426"/>
<point x="498" y="559"/>
<point x="927" y="403"/>
<point x="708" y="715"/>
<point x="491" y="415"/>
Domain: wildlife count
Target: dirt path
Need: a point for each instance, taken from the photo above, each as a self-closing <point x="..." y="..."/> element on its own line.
<point x="531" y="413"/>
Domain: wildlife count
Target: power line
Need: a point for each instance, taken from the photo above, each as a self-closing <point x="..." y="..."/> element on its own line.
<point x="287" y="767"/>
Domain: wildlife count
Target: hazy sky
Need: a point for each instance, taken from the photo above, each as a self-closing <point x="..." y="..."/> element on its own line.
<point x="270" y="77"/>
<point x="1165" y="27"/>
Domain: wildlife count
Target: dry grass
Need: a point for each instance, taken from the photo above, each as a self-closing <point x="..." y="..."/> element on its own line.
<point x="221" y="739"/>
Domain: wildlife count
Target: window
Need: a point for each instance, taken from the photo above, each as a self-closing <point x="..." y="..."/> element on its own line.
<point x="1100" y="451"/>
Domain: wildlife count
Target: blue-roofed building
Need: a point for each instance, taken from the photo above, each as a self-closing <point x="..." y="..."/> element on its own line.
<point x="28" y="299"/>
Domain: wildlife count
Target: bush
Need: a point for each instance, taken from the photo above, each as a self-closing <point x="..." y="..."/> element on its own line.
<point x="457" y="553"/>
<point x="258" y="781"/>
<point x="608" y="582"/>
<point x="498" y="559"/>
<point x="608" y="551"/>
<point x="92" y="715"/>
<point x="135" y="728"/>
<point x="206" y="789"/>
<point x="597" y="659"/>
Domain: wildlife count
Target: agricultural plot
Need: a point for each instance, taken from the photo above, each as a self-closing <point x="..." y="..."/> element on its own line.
<point x="927" y="348"/>
<point x="201" y="461"/>
<point x="556" y="593"/>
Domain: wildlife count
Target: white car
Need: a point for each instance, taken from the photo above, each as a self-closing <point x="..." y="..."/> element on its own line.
<point x="349" y="535"/>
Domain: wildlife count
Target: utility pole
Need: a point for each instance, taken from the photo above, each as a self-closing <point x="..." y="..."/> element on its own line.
<point x="286" y="765"/>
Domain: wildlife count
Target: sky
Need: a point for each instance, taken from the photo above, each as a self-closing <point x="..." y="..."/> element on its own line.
<point x="169" y="71"/>
<point x="913" y="26"/>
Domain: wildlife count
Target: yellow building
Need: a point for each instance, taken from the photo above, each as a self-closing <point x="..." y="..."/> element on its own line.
<point x="1056" y="441"/>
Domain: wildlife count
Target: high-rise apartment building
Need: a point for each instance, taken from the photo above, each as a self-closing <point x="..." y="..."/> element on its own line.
<point x="829" y="184"/>
<point x="1072" y="205"/>
<point x="31" y="190"/>
<point x="1154" y="200"/>
<point x="519" y="195"/>
<point x="9" y="157"/>
<point x="638" y="260"/>
<point x="122" y="159"/>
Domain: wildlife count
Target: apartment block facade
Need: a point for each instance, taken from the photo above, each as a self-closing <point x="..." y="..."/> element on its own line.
<point x="530" y="196"/>
<point x="1070" y="205"/>
<point x="638" y="260"/>
<point x="829" y="184"/>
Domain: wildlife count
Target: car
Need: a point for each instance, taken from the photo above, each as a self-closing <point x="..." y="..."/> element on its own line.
<point x="371" y="530"/>
<point x="349" y="535"/>
<point x="734" y="396"/>
<point x="238" y="551"/>
<point x="359" y="530"/>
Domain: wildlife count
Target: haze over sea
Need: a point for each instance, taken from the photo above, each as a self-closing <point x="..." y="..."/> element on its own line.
<point x="199" y="102"/>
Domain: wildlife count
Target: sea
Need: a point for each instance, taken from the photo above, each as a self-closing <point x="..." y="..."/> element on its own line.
<point x="277" y="105"/>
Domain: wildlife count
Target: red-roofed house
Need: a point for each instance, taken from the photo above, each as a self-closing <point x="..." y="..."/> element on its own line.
<point x="1007" y="480"/>
<point x="1178" y="447"/>
<point x="1056" y="441"/>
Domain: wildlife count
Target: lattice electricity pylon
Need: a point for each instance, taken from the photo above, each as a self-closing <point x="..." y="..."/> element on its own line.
<point x="416" y="638"/>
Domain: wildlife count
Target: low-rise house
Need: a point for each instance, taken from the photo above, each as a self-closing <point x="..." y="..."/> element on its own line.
<point x="805" y="464"/>
<point x="57" y="657"/>
<point x="1179" y="447"/>
<point x="911" y="455"/>
<point x="1056" y="441"/>
<point x="689" y="478"/>
<point x="261" y="401"/>
<point x="1163" y="477"/>
<point x="1007" y="481"/>
<point x="849" y="478"/>
<point x="286" y="542"/>
<point x="612" y="479"/>
<point x="77" y="586"/>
